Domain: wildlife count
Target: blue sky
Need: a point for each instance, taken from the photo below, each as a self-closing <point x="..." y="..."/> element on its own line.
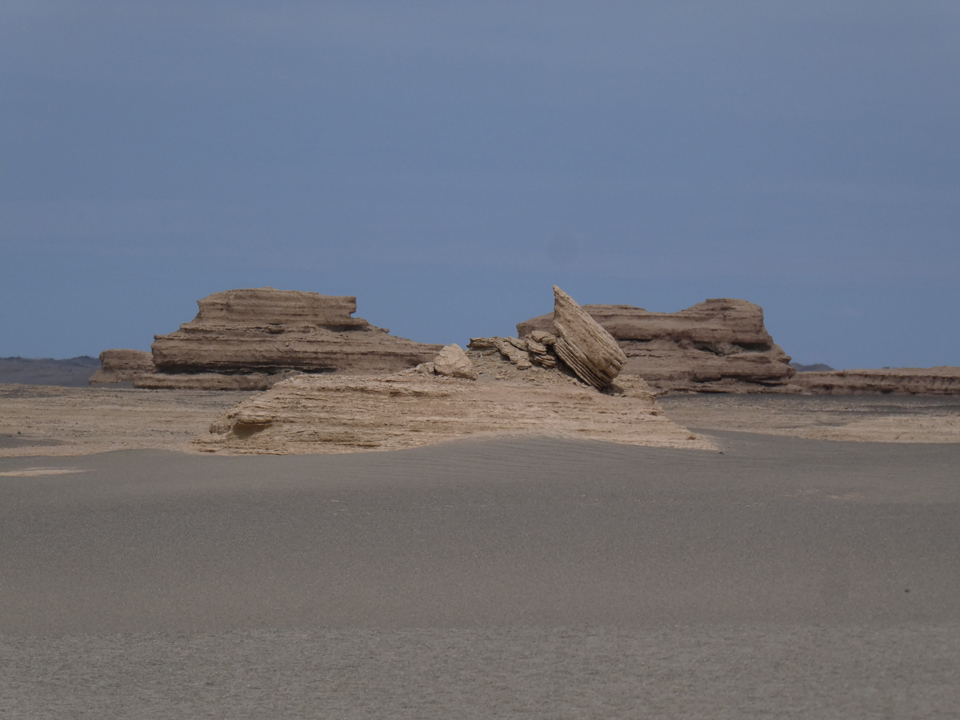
<point x="448" y="162"/>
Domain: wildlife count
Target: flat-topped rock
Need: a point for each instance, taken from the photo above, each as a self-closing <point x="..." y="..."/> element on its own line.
<point x="267" y="330"/>
<point x="252" y="338"/>
<point x="118" y="366"/>
<point x="719" y="345"/>
<point x="942" y="380"/>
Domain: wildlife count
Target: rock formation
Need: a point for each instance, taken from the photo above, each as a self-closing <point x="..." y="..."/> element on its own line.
<point x="118" y="366"/>
<point x="584" y="345"/>
<point x="250" y="339"/>
<point x="714" y="346"/>
<point x="452" y="361"/>
<point x="504" y="386"/>
<point x="941" y="380"/>
<point x="337" y="414"/>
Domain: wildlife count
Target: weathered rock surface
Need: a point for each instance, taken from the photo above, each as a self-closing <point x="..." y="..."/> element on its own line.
<point x="452" y="361"/>
<point x="715" y="346"/>
<point x="267" y="330"/>
<point x="251" y="339"/>
<point x="586" y="348"/>
<point x="942" y="380"/>
<point x="336" y="414"/>
<point x="118" y="366"/>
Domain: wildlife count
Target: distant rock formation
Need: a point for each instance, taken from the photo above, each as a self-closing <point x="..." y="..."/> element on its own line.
<point x="117" y="366"/>
<point x="942" y="380"/>
<point x="251" y="339"/>
<point x="718" y="345"/>
<point x="815" y="367"/>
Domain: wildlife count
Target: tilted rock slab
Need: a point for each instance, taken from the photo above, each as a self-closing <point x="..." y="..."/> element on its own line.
<point x="582" y="343"/>
<point x="269" y="331"/>
<point x="339" y="414"/>
<point x="719" y="345"/>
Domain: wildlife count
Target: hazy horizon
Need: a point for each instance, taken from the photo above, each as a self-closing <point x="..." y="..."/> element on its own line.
<point x="448" y="164"/>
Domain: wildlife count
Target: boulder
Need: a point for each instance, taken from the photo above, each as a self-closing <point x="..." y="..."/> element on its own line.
<point x="582" y="343"/>
<point x="719" y="345"/>
<point x="452" y="361"/>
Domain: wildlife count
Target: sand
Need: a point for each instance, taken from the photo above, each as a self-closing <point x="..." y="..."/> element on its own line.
<point x="776" y="577"/>
<point x="850" y="418"/>
<point x="44" y="420"/>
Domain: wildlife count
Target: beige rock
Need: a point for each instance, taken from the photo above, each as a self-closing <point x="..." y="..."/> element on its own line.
<point x="211" y="380"/>
<point x="512" y="349"/>
<point x="122" y="366"/>
<point x="715" y="346"/>
<point x="452" y="361"/>
<point x="589" y="350"/>
<point x="336" y="414"/>
<point x="942" y="380"/>
<point x="251" y="339"/>
<point x="266" y="330"/>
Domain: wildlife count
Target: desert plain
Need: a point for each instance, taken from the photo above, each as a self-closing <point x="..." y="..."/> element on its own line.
<point x="797" y="558"/>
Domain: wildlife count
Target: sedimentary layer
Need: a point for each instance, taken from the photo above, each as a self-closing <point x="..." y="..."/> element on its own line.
<point x="268" y="330"/>
<point x="250" y="339"/>
<point x="118" y="366"/>
<point x="942" y="380"/>
<point x="719" y="345"/>
<point x="337" y="414"/>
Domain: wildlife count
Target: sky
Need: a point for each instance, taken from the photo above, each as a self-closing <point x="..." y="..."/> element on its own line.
<point x="447" y="163"/>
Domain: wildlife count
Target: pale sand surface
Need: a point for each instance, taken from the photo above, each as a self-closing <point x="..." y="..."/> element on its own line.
<point x="497" y="578"/>
<point x="44" y="420"/>
<point x="856" y="418"/>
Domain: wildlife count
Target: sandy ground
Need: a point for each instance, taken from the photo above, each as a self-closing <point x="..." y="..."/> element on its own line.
<point x="851" y="418"/>
<point x="38" y="420"/>
<point x="60" y="421"/>
<point x="776" y="577"/>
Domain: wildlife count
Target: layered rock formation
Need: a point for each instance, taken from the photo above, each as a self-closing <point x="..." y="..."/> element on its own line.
<point x="577" y="343"/>
<point x="117" y="366"/>
<point x="715" y="346"/>
<point x="943" y="380"/>
<point x="583" y="344"/>
<point x="504" y="386"/>
<point x="337" y="414"/>
<point x="251" y="339"/>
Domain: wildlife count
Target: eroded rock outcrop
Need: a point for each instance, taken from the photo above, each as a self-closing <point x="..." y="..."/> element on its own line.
<point x="250" y="339"/>
<point x="943" y="380"/>
<point x="715" y="346"/>
<point x="337" y="414"/>
<point x="117" y="366"/>
<point x="270" y="330"/>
